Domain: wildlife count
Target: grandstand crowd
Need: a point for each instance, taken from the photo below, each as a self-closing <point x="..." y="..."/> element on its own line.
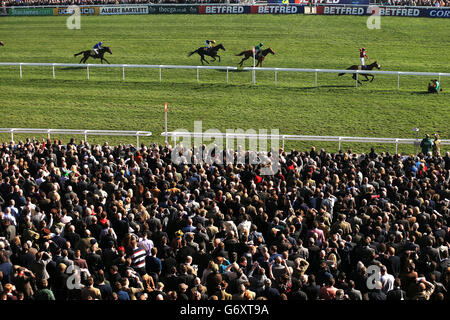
<point x="101" y="222"/>
<point x="10" y="3"/>
<point x="418" y="3"/>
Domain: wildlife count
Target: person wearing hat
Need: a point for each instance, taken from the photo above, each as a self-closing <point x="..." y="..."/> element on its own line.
<point x="437" y="145"/>
<point x="434" y="86"/>
<point x="258" y="49"/>
<point x="362" y="56"/>
<point x="210" y="44"/>
<point x="182" y="292"/>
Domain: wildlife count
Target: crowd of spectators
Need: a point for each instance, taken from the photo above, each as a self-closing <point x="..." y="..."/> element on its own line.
<point x="10" y="3"/>
<point x="416" y="3"/>
<point x="91" y="222"/>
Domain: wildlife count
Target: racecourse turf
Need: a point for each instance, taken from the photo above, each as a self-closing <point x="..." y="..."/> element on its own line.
<point x="295" y="106"/>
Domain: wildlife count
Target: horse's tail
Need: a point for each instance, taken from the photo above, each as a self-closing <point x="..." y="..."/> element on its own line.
<point x="190" y="54"/>
<point x="242" y="53"/>
<point x="77" y="54"/>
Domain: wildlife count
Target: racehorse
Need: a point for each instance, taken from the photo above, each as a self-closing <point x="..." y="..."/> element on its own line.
<point x="367" y="75"/>
<point x="212" y="52"/>
<point x="260" y="56"/>
<point x="1" y="43"/>
<point x="91" y="53"/>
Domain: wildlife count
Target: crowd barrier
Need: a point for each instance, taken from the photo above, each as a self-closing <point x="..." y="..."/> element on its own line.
<point x="325" y="7"/>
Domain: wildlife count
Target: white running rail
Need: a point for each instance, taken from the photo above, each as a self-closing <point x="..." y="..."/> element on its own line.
<point x="227" y="68"/>
<point x="86" y="133"/>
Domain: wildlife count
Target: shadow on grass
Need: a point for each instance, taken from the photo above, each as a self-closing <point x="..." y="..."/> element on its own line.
<point x="73" y="68"/>
<point x="235" y="71"/>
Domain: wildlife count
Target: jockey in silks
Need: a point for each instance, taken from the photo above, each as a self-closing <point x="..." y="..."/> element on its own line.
<point x="362" y="55"/>
<point x="434" y="86"/>
<point x="258" y="49"/>
<point x="209" y="44"/>
<point x="98" y="46"/>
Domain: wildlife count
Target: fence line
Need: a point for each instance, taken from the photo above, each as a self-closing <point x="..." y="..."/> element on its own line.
<point x="209" y="135"/>
<point x="123" y="66"/>
<point x="287" y="137"/>
<point x="86" y="133"/>
<point x="316" y="71"/>
<point x="227" y="68"/>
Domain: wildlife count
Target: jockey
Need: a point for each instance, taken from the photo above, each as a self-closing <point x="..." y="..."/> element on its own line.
<point x="209" y="44"/>
<point x="98" y="46"/>
<point x="434" y="86"/>
<point x="362" y="55"/>
<point x="258" y="49"/>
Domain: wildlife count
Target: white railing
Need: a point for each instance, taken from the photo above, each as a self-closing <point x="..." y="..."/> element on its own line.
<point x="287" y="137"/>
<point x="227" y="68"/>
<point x="123" y="66"/>
<point x="86" y="133"/>
<point x="316" y="71"/>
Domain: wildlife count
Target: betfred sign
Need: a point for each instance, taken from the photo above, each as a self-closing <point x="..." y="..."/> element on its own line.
<point x="223" y="9"/>
<point x="258" y="9"/>
<point x="275" y="9"/>
<point x="363" y="11"/>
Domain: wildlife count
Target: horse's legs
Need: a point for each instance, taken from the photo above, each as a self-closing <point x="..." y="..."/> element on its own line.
<point x="372" y="77"/>
<point x="243" y="59"/>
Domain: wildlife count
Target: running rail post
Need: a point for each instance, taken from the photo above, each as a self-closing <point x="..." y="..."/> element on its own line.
<point x="20" y="71"/>
<point x="227" y="75"/>
<point x="356" y="78"/>
<point x="159" y="73"/>
<point x="398" y="81"/>
<point x="123" y="73"/>
<point x="316" y="79"/>
<point x="197" y="76"/>
<point x="275" y="78"/>
<point x="87" y="72"/>
<point x="53" y="67"/>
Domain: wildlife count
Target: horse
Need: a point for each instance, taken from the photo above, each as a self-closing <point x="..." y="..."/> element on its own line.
<point x="91" y="53"/>
<point x="211" y="52"/>
<point x="260" y="56"/>
<point x="1" y="43"/>
<point x="367" y="75"/>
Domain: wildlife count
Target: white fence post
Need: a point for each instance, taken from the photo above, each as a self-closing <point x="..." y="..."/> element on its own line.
<point x="356" y="78"/>
<point x="20" y="71"/>
<point x="398" y="81"/>
<point x="227" y="75"/>
<point x="123" y="73"/>
<point x="275" y="78"/>
<point x="254" y="76"/>
<point x="160" y="74"/>
<point x="87" y="72"/>
<point x="53" y="67"/>
<point x="197" y="76"/>
<point x="316" y="79"/>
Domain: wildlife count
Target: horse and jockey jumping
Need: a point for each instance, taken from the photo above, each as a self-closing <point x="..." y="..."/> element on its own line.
<point x="97" y="52"/>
